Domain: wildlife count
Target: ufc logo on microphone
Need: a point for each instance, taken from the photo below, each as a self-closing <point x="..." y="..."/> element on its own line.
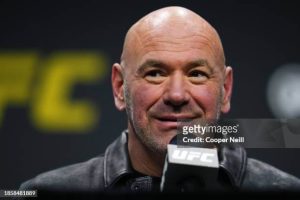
<point x="206" y="157"/>
<point x="193" y="155"/>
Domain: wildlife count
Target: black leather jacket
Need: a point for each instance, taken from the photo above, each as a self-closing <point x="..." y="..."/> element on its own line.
<point x="113" y="172"/>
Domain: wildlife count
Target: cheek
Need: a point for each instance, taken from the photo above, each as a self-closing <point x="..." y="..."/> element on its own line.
<point x="207" y="97"/>
<point x="143" y="97"/>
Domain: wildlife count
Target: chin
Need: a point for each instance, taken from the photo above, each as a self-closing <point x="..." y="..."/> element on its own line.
<point x="159" y="147"/>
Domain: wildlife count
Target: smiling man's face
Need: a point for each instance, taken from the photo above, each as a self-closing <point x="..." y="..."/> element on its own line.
<point x="173" y="71"/>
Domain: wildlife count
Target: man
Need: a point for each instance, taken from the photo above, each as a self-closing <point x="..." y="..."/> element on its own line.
<point x="172" y="68"/>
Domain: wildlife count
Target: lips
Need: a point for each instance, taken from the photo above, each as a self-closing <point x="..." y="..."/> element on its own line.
<point x="171" y="121"/>
<point x="175" y="118"/>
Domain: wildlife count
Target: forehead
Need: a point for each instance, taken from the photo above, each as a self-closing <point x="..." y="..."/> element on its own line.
<point x="174" y="47"/>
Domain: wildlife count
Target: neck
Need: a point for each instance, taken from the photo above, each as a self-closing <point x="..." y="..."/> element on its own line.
<point x="142" y="159"/>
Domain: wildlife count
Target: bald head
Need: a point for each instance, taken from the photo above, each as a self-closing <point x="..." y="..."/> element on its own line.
<point x="167" y="24"/>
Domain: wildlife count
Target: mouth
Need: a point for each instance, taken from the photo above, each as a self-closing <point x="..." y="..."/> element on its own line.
<point x="172" y="121"/>
<point x="175" y="118"/>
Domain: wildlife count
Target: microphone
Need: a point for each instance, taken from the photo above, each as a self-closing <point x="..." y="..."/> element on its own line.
<point x="190" y="169"/>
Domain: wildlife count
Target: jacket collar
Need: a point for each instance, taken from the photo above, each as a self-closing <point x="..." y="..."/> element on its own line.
<point x="233" y="160"/>
<point x="117" y="162"/>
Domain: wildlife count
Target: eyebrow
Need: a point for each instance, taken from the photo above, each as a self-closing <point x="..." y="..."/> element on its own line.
<point x="150" y="63"/>
<point x="160" y="64"/>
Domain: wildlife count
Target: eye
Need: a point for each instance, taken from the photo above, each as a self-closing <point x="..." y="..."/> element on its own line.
<point x="155" y="76"/>
<point x="197" y="76"/>
<point x="154" y="73"/>
<point x="197" y="73"/>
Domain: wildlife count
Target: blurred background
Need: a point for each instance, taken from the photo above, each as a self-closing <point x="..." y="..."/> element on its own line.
<point x="56" y="104"/>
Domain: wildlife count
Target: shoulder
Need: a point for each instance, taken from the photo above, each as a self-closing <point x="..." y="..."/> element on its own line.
<point x="85" y="176"/>
<point x="262" y="176"/>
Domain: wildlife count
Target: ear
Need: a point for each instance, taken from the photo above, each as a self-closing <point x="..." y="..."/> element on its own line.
<point x="117" y="81"/>
<point x="227" y="90"/>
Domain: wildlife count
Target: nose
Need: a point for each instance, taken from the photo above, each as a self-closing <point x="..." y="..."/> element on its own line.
<point x="176" y="94"/>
